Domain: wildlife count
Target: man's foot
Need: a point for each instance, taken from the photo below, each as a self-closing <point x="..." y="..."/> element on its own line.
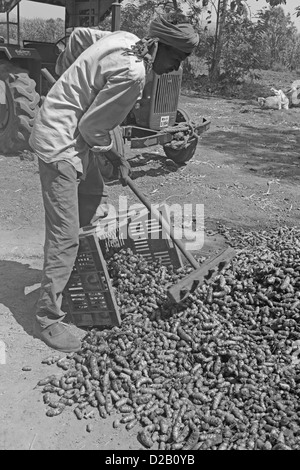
<point x="58" y="337"/>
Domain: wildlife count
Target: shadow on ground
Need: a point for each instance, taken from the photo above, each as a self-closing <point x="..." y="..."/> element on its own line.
<point x="19" y="291"/>
<point x="269" y="152"/>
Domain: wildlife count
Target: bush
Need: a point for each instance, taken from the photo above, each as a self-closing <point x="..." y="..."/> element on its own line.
<point x="278" y="67"/>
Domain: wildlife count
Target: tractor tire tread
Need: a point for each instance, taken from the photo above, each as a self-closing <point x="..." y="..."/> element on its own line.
<point x="24" y="107"/>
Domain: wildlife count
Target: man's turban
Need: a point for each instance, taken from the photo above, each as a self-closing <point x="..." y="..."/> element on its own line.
<point x="180" y="36"/>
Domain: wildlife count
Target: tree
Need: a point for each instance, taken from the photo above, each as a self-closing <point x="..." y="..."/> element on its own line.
<point x="136" y="18"/>
<point x="220" y="26"/>
<point x="37" y="29"/>
<point x="55" y="29"/>
<point x="223" y="7"/>
<point x="233" y="27"/>
<point x="278" y="37"/>
<point x="239" y="48"/>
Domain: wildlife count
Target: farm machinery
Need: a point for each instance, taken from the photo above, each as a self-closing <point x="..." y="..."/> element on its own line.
<point x="27" y="71"/>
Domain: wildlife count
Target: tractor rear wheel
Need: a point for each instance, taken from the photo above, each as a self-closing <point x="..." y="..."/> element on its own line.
<point x="19" y="104"/>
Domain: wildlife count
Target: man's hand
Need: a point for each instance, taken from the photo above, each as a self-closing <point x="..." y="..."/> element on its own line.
<point x="124" y="171"/>
<point x="120" y="163"/>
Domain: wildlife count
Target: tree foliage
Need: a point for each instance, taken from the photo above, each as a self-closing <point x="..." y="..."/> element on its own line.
<point x="136" y="18"/>
<point x="239" y="51"/>
<point x="278" y="38"/>
<point x="37" y="29"/>
<point x="236" y="43"/>
<point x="230" y="48"/>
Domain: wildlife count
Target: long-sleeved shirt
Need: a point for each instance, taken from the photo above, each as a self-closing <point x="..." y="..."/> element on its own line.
<point x="79" y="40"/>
<point x="92" y="97"/>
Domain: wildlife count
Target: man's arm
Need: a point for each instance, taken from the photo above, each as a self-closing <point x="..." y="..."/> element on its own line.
<point x="109" y="109"/>
<point x="80" y="39"/>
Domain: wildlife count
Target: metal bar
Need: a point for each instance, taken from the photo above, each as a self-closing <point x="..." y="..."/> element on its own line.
<point x="141" y="137"/>
<point x="136" y="131"/>
<point x="7" y="26"/>
<point x="200" y="128"/>
<point x="116" y="16"/>
<point x="149" y="141"/>
<point x="18" y="23"/>
<point x="5" y="22"/>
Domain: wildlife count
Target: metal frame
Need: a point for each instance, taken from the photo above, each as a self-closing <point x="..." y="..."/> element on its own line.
<point x="115" y="9"/>
<point x="9" y="23"/>
<point x="141" y="137"/>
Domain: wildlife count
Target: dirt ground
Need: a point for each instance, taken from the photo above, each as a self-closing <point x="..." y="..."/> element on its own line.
<point x="245" y="172"/>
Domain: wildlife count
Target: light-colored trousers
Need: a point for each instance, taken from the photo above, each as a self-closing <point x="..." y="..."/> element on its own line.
<point x="69" y="204"/>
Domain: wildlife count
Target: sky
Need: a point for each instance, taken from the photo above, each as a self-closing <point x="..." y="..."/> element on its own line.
<point x="288" y="8"/>
<point x="33" y="10"/>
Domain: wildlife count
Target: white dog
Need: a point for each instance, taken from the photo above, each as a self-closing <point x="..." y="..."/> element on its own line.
<point x="279" y="101"/>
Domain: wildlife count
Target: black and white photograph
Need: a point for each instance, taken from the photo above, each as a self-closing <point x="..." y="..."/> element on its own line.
<point x="149" y="227"/>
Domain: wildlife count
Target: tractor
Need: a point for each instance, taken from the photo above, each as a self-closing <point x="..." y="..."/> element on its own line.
<point x="27" y="71"/>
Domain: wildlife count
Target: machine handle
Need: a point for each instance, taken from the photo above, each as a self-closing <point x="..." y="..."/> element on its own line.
<point x="48" y="76"/>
